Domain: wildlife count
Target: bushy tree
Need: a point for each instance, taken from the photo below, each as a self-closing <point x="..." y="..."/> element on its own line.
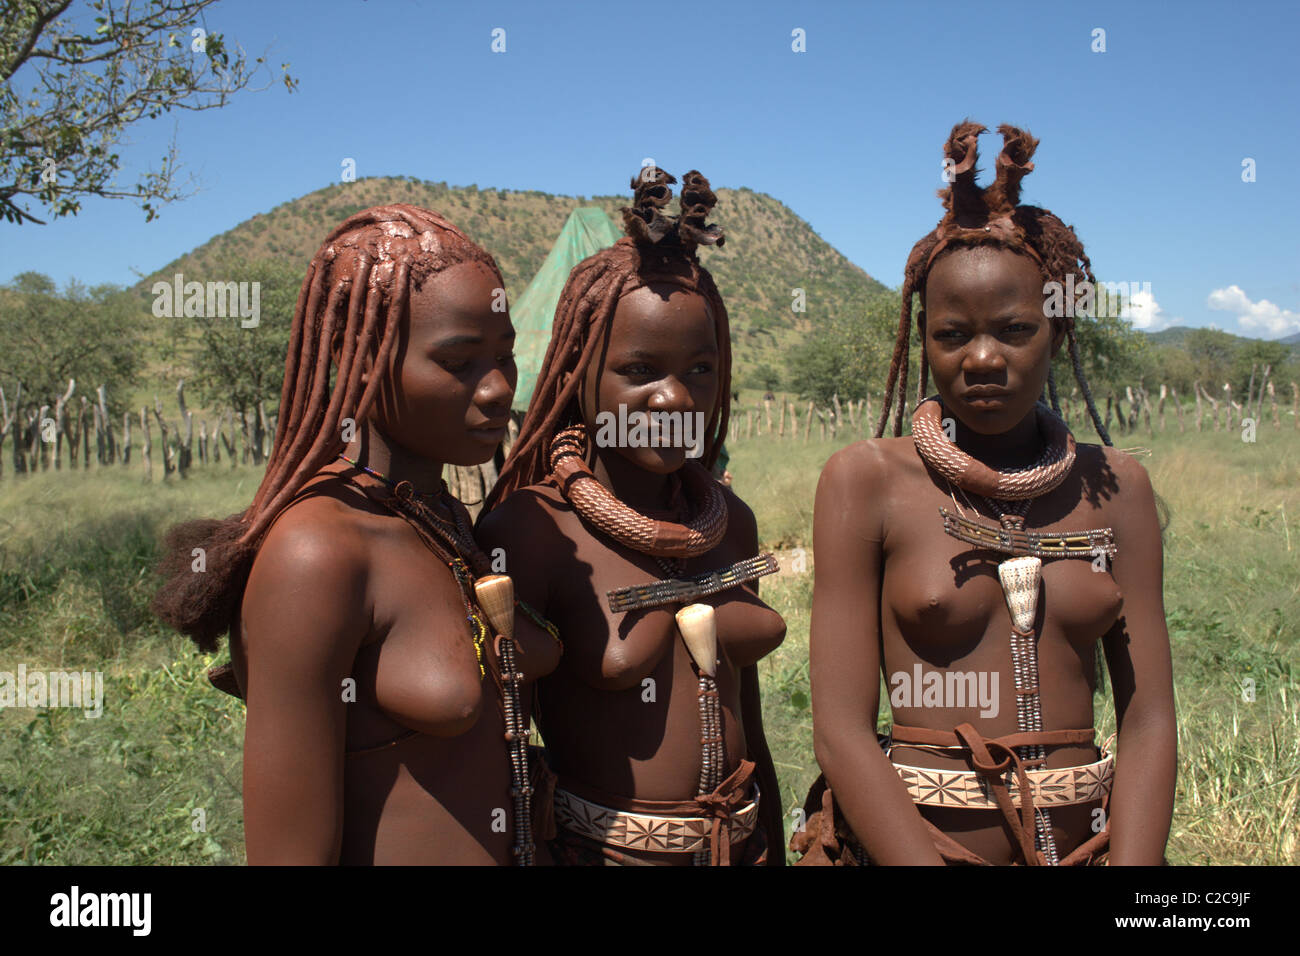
<point x="237" y="367"/>
<point x="72" y="81"/>
<point x="47" y="336"/>
<point x="847" y="354"/>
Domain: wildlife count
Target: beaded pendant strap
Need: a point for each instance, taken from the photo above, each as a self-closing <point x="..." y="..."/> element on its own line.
<point x="1010" y="495"/>
<point x="598" y="506"/>
<point x="676" y="590"/>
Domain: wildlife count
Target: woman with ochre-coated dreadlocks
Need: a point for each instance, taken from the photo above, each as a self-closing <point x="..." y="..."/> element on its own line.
<point x="383" y="719"/>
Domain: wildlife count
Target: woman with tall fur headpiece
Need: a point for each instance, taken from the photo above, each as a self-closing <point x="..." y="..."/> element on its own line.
<point x="988" y="521"/>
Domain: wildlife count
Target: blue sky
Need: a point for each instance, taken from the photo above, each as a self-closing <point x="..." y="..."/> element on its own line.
<point x="1142" y="145"/>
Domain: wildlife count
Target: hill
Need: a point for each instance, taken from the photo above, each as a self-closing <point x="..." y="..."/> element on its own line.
<point x="1177" y="337"/>
<point x="769" y="252"/>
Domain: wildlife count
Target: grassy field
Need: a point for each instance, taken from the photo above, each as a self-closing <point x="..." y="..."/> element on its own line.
<point x="156" y="779"/>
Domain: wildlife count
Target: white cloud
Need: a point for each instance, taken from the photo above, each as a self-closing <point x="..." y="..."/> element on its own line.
<point x="1262" y="316"/>
<point x="1142" y="309"/>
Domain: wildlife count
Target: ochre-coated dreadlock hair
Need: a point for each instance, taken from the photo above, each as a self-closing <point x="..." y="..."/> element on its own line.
<point x="656" y="248"/>
<point x="992" y="216"/>
<point x="353" y="299"/>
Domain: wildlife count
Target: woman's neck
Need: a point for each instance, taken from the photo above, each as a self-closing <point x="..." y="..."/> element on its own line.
<point x="1020" y="447"/>
<point x="639" y="489"/>
<point x="374" y="450"/>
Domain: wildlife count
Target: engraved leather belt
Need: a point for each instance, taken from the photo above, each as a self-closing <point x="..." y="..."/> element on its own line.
<point x="654" y="833"/>
<point x="970" y="789"/>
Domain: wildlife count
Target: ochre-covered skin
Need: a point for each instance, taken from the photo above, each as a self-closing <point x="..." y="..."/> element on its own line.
<point x="343" y="588"/>
<point x="892" y="589"/>
<point x="600" y="727"/>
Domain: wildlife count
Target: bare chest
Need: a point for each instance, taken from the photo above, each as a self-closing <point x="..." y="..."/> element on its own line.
<point x="942" y="595"/>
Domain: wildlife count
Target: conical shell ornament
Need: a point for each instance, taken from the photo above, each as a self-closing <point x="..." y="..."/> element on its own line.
<point x="496" y="596"/>
<point x="1020" y="579"/>
<point x="700" y="634"/>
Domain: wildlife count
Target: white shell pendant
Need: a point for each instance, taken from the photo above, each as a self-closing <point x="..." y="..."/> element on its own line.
<point x="700" y="634"/>
<point x="496" y="596"/>
<point x="1020" y="579"/>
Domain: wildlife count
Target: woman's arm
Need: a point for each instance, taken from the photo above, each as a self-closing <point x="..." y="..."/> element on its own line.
<point x="1137" y="652"/>
<point x="844" y="654"/>
<point x="304" y="616"/>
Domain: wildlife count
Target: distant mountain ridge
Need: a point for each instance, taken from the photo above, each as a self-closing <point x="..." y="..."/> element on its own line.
<point x="1177" y="336"/>
<point x="769" y="253"/>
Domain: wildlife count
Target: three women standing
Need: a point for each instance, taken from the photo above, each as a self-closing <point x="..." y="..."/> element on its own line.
<point x="986" y="551"/>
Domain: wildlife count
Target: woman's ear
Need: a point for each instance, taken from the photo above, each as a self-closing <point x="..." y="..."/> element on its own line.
<point x="1058" y="337"/>
<point x="367" y="360"/>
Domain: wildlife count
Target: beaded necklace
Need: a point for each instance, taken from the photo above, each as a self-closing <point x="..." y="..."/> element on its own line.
<point x="454" y="544"/>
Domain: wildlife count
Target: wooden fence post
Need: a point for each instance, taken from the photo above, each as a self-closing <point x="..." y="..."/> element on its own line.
<point x="185" y="451"/>
<point x="61" y="423"/>
<point x="148" y="444"/>
<point x="807" y="428"/>
<point x="780" y="428"/>
<point x="84" y="431"/>
<point x="39" y="445"/>
<point x="1259" y="399"/>
<point x="110" y="444"/>
<point x="1178" y="408"/>
<point x="264" y="435"/>
<point x="168" y="456"/>
<point x="6" y="425"/>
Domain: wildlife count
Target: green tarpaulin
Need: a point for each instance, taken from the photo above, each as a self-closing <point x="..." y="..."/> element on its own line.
<point x="587" y="231"/>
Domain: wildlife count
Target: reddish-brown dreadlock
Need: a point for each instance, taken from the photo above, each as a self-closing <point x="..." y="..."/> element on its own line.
<point x="657" y="248"/>
<point x="988" y="217"/>
<point x="353" y="300"/>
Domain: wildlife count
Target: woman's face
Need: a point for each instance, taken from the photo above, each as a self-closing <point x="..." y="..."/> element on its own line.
<point x="987" y="340"/>
<point x="452" y="370"/>
<point x="660" y="355"/>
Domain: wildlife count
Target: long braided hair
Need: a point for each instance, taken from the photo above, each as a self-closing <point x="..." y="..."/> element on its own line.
<point x="991" y="216"/>
<point x="656" y="248"/>
<point x="353" y="300"/>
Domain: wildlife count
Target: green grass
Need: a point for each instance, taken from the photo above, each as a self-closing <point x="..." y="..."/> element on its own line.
<point x="76" y="556"/>
<point x="1232" y="599"/>
<point x="77" y="549"/>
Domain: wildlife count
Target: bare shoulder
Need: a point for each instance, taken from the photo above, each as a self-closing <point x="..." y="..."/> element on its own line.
<point x="867" y="465"/>
<point x="739" y="514"/>
<point x="312" y="567"/>
<point x="1122" y="481"/>
<point x="534" y="510"/>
